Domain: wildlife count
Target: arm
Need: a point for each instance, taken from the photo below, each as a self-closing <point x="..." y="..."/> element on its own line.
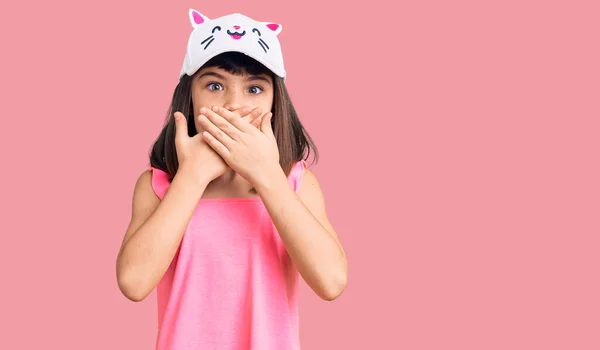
<point x="306" y="232"/>
<point x="155" y="232"/>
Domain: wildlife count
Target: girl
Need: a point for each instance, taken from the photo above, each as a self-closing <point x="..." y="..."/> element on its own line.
<point x="228" y="215"/>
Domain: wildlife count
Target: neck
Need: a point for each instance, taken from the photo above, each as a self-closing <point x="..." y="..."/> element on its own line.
<point x="228" y="177"/>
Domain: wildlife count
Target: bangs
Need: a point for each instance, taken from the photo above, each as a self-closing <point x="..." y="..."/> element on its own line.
<point x="238" y="63"/>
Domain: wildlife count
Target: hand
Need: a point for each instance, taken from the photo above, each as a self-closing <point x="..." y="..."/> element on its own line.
<point x="251" y="151"/>
<point x="194" y="154"/>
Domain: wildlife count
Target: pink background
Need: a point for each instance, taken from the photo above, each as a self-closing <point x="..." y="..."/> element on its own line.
<point x="460" y="162"/>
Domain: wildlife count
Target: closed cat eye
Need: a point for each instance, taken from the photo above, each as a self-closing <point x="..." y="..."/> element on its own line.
<point x="215" y="28"/>
<point x="256" y="31"/>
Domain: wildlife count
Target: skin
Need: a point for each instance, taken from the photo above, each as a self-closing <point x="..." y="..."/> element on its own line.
<point x="246" y="146"/>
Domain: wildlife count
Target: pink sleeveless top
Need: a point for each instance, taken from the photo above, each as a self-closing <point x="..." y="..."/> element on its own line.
<point x="231" y="284"/>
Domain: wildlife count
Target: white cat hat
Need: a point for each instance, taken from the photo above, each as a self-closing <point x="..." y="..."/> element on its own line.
<point x="234" y="32"/>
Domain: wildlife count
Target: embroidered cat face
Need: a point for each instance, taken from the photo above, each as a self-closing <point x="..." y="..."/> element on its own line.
<point x="234" y="32"/>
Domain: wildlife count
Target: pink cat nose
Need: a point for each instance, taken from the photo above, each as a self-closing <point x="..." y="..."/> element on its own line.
<point x="236" y="27"/>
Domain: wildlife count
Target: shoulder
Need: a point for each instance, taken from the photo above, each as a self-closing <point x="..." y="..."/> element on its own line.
<point x="145" y="178"/>
<point x="156" y="180"/>
<point x="310" y="189"/>
<point x="309" y="179"/>
<point x="144" y="190"/>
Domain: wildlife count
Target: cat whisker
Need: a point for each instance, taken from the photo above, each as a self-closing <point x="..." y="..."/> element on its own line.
<point x="262" y="41"/>
<point x="205" y="40"/>
<point x="211" y="40"/>
<point x="263" y="47"/>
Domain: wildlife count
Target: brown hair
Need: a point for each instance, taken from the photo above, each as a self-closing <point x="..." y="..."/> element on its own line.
<point x="293" y="141"/>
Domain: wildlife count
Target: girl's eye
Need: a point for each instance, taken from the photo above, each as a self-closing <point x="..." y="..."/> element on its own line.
<point x="214" y="86"/>
<point x="255" y="90"/>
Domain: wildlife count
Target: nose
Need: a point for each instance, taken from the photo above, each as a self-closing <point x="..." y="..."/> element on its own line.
<point x="233" y="101"/>
<point x="236" y="27"/>
<point x="231" y="106"/>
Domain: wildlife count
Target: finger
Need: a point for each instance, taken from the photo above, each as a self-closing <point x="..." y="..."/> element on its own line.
<point x="265" y="125"/>
<point x="256" y="122"/>
<point x="254" y="117"/>
<point x="181" y="130"/>
<point x="221" y="123"/>
<point x="217" y="146"/>
<point x="242" y="111"/>
<point x="245" y="112"/>
<point x="237" y="113"/>
<point x="240" y="123"/>
<point x="217" y="133"/>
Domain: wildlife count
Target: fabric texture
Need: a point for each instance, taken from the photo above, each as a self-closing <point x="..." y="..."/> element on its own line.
<point x="231" y="284"/>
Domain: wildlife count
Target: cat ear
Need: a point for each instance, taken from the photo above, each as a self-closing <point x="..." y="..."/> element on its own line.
<point x="274" y="27"/>
<point x="196" y="18"/>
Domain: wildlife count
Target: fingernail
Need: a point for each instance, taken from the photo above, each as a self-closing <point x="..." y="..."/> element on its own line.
<point x="202" y="110"/>
<point x="215" y="108"/>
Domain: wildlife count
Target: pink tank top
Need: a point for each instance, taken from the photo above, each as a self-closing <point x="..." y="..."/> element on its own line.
<point x="231" y="284"/>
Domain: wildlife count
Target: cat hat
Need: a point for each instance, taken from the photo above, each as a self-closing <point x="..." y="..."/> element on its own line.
<point x="234" y="32"/>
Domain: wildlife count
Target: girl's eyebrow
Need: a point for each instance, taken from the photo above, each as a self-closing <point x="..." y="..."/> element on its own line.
<point x="258" y="77"/>
<point x="209" y="73"/>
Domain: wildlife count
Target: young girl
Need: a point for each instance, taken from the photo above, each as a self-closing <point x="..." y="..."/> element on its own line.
<point x="228" y="216"/>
